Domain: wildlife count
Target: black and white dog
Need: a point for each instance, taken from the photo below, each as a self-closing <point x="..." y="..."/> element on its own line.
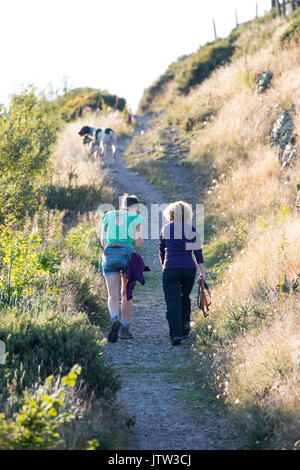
<point x="99" y="139"/>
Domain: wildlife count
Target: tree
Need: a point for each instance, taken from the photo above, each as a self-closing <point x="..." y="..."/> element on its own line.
<point x="27" y="133"/>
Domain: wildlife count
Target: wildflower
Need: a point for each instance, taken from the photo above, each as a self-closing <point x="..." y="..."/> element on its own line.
<point x="237" y="401"/>
<point x="209" y="327"/>
<point x="218" y="396"/>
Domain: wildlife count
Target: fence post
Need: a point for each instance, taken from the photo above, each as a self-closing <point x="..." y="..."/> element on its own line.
<point x="215" y="28"/>
<point x="279" y="7"/>
<point x="283" y="8"/>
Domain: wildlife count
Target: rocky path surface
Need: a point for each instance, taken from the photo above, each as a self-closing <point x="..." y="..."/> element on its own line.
<point x="156" y="384"/>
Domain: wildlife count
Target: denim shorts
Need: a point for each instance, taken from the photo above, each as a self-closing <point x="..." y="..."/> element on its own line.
<point x="107" y="271"/>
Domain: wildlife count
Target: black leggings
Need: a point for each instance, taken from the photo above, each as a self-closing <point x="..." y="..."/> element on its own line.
<point x="178" y="284"/>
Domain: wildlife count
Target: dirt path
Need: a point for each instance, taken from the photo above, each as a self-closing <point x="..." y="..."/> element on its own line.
<point x="158" y="388"/>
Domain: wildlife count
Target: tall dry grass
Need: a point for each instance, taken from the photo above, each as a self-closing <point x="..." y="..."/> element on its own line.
<point x="263" y="381"/>
<point x="251" y="341"/>
<point x="272" y="252"/>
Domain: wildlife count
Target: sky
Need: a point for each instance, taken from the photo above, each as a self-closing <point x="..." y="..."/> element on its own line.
<point x="121" y="46"/>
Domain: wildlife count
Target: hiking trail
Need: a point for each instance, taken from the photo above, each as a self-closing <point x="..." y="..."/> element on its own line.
<point x="169" y="409"/>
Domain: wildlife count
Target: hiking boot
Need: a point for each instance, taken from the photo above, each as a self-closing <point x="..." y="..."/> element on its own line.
<point x="125" y="333"/>
<point x="185" y="336"/>
<point x="114" y="330"/>
<point x="175" y="341"/>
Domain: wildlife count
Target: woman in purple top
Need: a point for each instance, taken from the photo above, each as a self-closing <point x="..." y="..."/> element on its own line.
<point x="179" y="239"/>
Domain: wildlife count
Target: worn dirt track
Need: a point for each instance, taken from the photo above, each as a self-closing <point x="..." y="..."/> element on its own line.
<point x="156" y="385"/>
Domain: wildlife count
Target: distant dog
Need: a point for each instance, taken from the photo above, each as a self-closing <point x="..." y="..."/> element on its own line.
<point x="92" y="136"/>
<point x="99" y="139"/>
<point x="109" y="138"/>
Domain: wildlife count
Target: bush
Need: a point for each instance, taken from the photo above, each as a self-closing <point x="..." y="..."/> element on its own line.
<point x="293" y="31"/>
<point x="35" y="426"/>
<point x="71" y="105"/>
<point x="80" y="199"/>
<point x="203" y="62"/>
<point x="49" y="343"/>
<point x="24" y="261"/>
<point x="27" y="134"/>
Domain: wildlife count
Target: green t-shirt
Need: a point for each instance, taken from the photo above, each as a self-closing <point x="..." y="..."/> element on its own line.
<point x="124" y="232"/>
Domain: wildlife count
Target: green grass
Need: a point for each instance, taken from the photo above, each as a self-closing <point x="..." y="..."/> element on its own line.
<point x="192" y="69"/>
<point x="293" y="30"/>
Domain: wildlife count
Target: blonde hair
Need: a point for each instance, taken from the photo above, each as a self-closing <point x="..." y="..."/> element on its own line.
<point x="178" y="211"/>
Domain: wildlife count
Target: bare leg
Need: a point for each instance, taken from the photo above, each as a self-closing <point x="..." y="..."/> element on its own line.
<point x="112" y="283"/>
<point x="126" y="305"/>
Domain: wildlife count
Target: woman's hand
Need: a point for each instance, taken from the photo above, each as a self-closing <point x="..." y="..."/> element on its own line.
<point x="202" y="272"/>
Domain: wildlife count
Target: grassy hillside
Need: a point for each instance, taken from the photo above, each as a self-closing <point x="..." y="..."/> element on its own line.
<point x="248" y="349"/>
<point x="57" y="389"/>
<point x="192" y="69"/>
<point x="76" y="102"/>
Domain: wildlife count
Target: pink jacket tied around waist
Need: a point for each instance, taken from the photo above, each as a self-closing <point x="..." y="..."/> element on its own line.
<point x="135" y="270"/>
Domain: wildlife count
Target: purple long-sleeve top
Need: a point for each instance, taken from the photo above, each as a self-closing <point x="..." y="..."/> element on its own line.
<point x="178" y="241"/>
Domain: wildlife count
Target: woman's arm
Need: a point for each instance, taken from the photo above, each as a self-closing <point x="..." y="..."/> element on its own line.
<point x="161" y="249"/>
<point x="138" y="236"/>
<point x="103" y="235"/>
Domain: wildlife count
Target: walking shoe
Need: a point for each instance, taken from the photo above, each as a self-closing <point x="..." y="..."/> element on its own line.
<point x="125" y="333"/>
<point x="175" y="341"/>
<point x="114" y="330"/>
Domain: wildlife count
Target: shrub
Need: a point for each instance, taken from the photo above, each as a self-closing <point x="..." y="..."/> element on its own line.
<point x="49" y="343"/>
<point x="80" y="199"/>
<point x="36" y="425"/>
<point x="27" y="134"/>
<point x="24" y="261"/>
<point x="293" y="30"/>
<point x="82" y="290"/>
<point x="71" y="104"/>
<point x="203" y="62"/>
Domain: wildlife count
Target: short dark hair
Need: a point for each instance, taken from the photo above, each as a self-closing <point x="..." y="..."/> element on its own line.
<point x="130" y="201"/>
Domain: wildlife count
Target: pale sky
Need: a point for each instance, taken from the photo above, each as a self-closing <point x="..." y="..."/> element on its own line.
<point x="117" y="45"/>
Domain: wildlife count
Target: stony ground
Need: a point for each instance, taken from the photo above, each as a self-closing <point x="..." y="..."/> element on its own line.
<point x="169" y="409"/>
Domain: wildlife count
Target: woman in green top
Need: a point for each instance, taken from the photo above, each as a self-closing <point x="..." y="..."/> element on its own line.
<point x="122" y="226"/>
